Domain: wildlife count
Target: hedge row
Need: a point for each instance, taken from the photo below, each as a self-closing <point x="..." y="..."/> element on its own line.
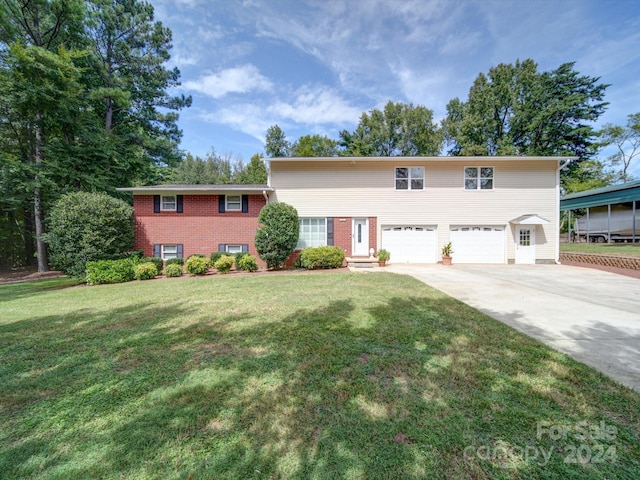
<point x="144" y="268"/>
<point x="313" y="258"/>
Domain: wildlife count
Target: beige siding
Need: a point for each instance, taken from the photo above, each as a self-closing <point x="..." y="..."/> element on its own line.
<point x="368" y="189"/>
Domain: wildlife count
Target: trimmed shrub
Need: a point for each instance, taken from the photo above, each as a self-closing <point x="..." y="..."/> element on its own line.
<point x="146" y="271"/>
<point x="247" y="263"/>
<point x="173" y="270"/>
<point x="174" y="261"/>
<point x="196" y="265"/>
<point x="239" y="256"/>
<point x="224" y="263"/>
<point x="321" y="257"/>
<point x="278" y="233"/>
<point x="110" y="271"/>
<point x="84" y="227"/>
<point x="215" y="256"/>
<point x="157" y="261"/>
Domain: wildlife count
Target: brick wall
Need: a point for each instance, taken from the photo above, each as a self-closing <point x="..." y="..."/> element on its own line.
<point x="342" y="227"/>
<point x="619" y="261"/>
<point x="200" y="228"/>
<point x="373" y="230"/>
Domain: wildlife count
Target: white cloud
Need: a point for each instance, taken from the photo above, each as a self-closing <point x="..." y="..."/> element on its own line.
<point x="245" y="117"/>
<point x="316" y="105"/>
<point x="244" y="79"/>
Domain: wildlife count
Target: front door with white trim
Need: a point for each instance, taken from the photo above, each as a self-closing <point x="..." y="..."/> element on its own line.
<point x="360" y="237"/>
<point x="526" y="244"/>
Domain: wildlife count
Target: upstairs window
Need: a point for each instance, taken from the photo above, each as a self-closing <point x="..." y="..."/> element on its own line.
<point x="478" y="178"/>
<point x="409" y="178"/>
<point x="234" y="203"/>
<point x="169" y="202"/>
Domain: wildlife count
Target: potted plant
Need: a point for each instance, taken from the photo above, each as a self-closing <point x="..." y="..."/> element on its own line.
<point x="446" y="254"/>
<point x="383" y="257"/>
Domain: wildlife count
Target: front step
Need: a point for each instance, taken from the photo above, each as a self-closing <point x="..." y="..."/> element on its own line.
<point x="362" y="262"/>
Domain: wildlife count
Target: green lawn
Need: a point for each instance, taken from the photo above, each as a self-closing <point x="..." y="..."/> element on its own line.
<point x="306" y="376"/>
<point x="616" y="248"/>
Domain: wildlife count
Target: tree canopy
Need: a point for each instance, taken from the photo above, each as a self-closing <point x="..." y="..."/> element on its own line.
<point x="516" y="110"/>
<point x="398" y="129"/>
<point x="626" y="141"/>
<point x="85" y="107"/>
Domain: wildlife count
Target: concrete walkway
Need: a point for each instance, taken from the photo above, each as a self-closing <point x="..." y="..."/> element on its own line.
<point x="591" y="315"/>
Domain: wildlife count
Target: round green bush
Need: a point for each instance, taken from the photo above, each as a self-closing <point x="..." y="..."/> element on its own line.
<point x="196" y="265"/>
<point x="247" y="263"/>
<point x="215" y="256"/>
<point x="278" y="233"/>
<point x="224" y="264"/>
<point x="157" y="261"/>
<point x="175" y="261"/>
<point x="84" y="226"/>
<point x="146" y="271"/>
<point x="321" y="257"/>
<point x="173" y="270"/>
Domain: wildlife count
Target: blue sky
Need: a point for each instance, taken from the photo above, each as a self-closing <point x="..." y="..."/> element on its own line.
<point x="315" y="66"/>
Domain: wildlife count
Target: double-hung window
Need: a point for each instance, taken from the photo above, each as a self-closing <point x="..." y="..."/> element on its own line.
<point x="234" y="203"/>
<point x="313" y="233"/>
<point x="168" y="203"/>
<point x="409" y="178"/>
<point x="478" y="178"/>
<point x="169" y="251"/>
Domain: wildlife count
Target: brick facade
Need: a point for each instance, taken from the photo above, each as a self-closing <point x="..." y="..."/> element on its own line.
<point x="200" y="227"/>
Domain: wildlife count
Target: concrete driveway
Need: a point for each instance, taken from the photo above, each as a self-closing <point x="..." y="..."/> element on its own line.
<point x="591" y="315"/>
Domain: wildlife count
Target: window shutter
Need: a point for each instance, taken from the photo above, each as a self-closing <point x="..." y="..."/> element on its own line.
<point x="179" y="251"/>
<point x="179" y="204"/>
<point x="222" y="247"/>
<point x="245" y="203"/>
<point x="156" y="204"/>
<point x="156" y="250"/>
<point x="245" y="248"/>
<point x="221" y="200"/>
<point x="330" y="231"/>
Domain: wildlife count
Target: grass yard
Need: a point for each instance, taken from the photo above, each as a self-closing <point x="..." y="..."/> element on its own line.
<point x="306" y="376"/>
<point x="616" y="248"/>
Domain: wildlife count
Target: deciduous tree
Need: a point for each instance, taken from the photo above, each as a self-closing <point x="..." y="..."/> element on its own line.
<point x="398" y="129"/>
<point x="626" y="140"/>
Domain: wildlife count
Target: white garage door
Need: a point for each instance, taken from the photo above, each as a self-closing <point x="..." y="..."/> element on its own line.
<point x="478" y="244"/>
<point x="410" y="243"/>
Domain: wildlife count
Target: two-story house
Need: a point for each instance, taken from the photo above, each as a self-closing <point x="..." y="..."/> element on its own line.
<point x="492" y="209"/>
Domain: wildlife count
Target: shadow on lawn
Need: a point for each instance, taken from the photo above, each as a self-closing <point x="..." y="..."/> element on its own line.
<point x="398" y="390"/>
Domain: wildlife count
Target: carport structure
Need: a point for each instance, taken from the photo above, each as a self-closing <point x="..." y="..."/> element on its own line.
<point x="620" y="202"/>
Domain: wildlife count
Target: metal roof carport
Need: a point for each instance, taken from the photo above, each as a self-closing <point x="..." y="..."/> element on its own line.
<point x="603" y="197"/>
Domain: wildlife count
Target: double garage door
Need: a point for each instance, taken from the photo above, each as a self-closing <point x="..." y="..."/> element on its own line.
<point x="478" y="244"/>
<point x="418" y="243"/>
<point x="410" y="243"/>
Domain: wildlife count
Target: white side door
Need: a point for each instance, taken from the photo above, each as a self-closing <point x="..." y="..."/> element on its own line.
<point x="526" y="244"/>
<point x="360" y="237"/>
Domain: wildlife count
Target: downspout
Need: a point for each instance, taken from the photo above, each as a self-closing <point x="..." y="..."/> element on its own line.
<point x="561" y="165"/>
<point x="266" y="196"/>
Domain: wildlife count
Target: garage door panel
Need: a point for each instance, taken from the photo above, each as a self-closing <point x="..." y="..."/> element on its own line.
<point x="478" y="244"/>
<point x="409" y="243"/>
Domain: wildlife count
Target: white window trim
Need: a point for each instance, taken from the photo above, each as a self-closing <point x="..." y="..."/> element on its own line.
<point x="409" y="178"/>
<point x="478" y="179"/>
<point x="228" y="208"/>
<point x="163" y="253"/>
<point x="175" y="203"/>
<point x="229" y="245"/>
